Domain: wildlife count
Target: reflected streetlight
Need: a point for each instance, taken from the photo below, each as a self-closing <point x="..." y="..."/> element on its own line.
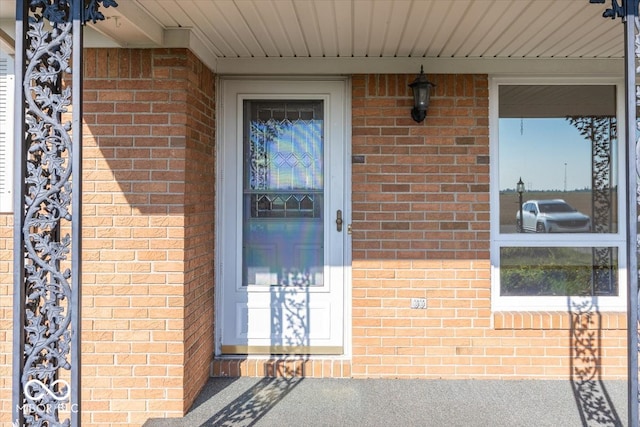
<point x="520" y="190"/>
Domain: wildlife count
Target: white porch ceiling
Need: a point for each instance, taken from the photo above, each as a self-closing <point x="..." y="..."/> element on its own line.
<point x="270" y="36"/>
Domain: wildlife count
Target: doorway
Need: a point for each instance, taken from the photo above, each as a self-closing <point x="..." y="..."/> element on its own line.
<point x="282" y="217"/>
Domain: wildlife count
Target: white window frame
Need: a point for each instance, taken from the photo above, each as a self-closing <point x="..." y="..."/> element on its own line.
<point x="499" y="240"/>
<point x="7" y="88"/>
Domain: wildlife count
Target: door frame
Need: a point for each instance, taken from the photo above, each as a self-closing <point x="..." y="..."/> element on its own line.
<point x="222" y="191"/>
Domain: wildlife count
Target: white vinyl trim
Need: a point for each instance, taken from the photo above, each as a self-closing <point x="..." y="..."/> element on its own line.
<point x="6" y="132"/>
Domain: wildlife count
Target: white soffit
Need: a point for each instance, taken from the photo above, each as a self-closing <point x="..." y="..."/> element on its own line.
<point x="363" y="36"/>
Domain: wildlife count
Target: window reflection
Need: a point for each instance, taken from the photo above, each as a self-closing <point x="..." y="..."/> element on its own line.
<point x="561" y="140"/>
<point x="558" y="271"/>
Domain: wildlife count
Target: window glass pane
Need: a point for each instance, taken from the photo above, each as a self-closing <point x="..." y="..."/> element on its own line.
<point x="560" y="141"/>
<point x="561" y="271"/>
<point x="283" y="193"/>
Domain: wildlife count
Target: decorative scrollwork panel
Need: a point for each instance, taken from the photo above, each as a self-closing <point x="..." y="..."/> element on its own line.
<point x="47" y="250"/>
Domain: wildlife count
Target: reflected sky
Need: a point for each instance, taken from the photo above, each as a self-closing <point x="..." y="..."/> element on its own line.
<point x="537" y="149"/>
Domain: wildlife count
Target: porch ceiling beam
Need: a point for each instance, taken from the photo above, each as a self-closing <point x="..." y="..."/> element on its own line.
<point x="130" y="25"/>
<point x="7" y="43"/>
<point x="494" y="66"/>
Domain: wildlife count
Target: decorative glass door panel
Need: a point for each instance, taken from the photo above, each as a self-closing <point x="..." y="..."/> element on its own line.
<point x="283" y="193"/>
<point x="281" y="204"/>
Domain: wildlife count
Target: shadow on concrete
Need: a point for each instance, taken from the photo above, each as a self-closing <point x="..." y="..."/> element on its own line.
<point x="244" y="411"/>
<point x="254" y="403"/>
<point x="210" y="390"/>
<point x="594" y="403"/>
<point x="321" y="402"/>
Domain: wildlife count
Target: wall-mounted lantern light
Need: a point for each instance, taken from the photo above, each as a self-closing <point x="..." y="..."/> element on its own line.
<point x="421" y="91"/>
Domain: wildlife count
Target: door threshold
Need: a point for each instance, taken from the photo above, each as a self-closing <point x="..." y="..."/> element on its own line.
<point x="281" y="350"/>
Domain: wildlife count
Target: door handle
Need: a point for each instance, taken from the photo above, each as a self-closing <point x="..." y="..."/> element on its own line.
<point x="339" y="220"/>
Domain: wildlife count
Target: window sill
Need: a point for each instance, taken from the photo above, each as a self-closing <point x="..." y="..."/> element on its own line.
<point x="557" y="320"/>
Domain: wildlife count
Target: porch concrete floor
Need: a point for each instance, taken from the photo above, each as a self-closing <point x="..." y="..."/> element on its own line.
<point x="387" y="402"/>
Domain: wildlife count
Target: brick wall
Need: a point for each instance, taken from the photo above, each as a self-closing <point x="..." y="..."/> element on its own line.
<point x="148" y="233"/>
<point x="6" y="325"/>
<point x="148" y="237"/>
<point x="199" y="228"/>
<point x="421" y="230"/>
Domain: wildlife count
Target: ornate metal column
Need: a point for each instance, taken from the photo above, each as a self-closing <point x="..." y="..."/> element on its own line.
<point x="47" y="203"/>
<point x="628" y="11"/>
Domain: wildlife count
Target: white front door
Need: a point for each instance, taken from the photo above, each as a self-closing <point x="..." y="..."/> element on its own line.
<point x="282" y="217"/>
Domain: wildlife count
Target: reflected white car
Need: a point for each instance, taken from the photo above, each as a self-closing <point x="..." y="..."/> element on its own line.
<point x="551" y="216"/>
